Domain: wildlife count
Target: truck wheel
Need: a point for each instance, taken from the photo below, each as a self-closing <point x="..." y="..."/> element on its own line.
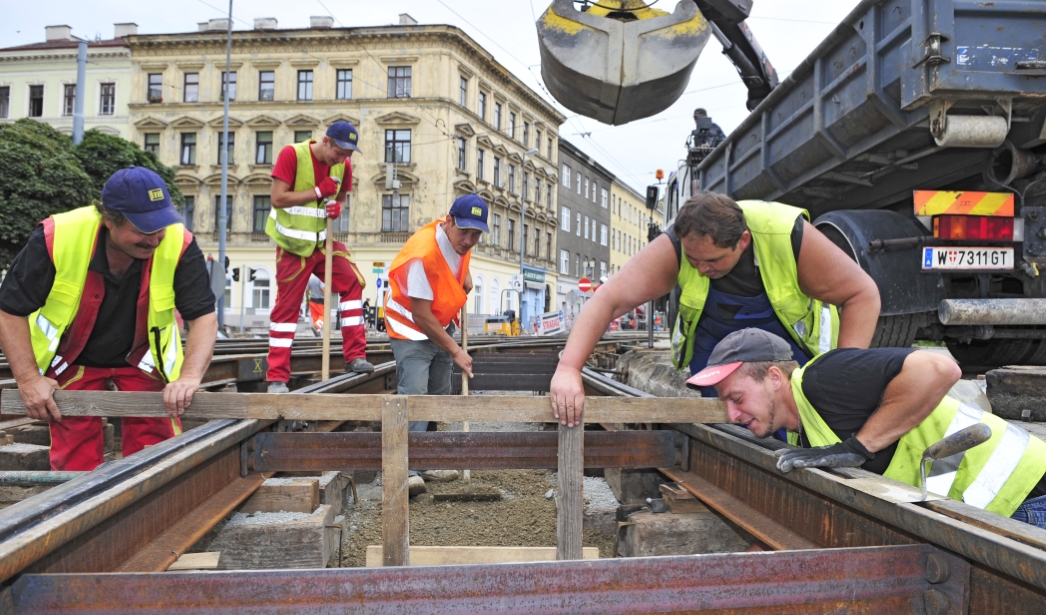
<point x="896" y="330"/>
<point x="982" y="355"/>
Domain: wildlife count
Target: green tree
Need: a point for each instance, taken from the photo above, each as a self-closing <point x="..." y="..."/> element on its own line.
<point x="38" y="178"/>
<point x="101" y="155"/>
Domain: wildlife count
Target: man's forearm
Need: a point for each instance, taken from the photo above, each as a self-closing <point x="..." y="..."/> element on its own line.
<point x="431" y="327"/>
<point x="17" y="345"/>
<point x="199" y="346"/>
<point x="857" y="320"/>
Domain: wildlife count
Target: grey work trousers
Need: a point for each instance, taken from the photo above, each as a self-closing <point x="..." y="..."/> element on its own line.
<point x="422" y="368"/>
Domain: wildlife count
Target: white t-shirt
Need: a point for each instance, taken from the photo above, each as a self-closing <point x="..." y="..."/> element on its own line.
<point x="417" y="283"/>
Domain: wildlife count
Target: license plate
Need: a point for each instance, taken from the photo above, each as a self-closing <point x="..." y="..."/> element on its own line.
<point x="957" y="258"/>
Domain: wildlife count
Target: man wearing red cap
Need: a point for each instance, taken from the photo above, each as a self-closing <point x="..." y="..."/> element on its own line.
<point x="89" y="303"/>
<point x="877" y="409"/>
<point x="309" y="181"/>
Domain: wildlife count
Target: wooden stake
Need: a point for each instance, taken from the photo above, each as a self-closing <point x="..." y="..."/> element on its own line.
<point x="570" y="503"/>
<point x="395" y="498"/>
<point x="465" y="377"/>
<point x="328" y="264"/>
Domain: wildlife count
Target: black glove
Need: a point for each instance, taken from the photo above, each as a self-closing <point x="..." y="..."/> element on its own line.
<point x="848" y="454"/>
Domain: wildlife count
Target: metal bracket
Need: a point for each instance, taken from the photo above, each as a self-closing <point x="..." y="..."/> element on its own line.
<point x="247" y="450"/>
<point x="933" y="55"/>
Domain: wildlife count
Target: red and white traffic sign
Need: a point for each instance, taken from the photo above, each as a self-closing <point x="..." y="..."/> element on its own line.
<point x="584" y="285"/>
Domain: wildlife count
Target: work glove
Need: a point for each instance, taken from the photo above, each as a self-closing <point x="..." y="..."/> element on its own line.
<point x="848" y="454"/>
<point x="327" y="187"/>
<point x="333" y="209"/>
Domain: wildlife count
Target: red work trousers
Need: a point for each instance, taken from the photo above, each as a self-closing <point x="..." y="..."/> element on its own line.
<point x="292" y="278"/>
<point x="78" y="443"/>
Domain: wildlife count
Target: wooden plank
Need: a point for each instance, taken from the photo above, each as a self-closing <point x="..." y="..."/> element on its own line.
<point x="287" y="495"/>
<point x="196" y="561"/>
<point x="395" y="528"/>
<point x="570" y="504"/>
<point x="298" y="543"/>
<point x="295" y="406"/>
<point x="449" y="556"/>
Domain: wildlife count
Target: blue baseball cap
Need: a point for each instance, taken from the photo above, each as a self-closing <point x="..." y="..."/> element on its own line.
<point x="344" y="135"/>
<point x="470" y="211"/>
<point x="140" y="194"/>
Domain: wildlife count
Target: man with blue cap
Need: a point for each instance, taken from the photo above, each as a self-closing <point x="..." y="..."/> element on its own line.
<point x="429" y="283"/>
<point x="309" y="181"/>
<point x="89" y="304"/>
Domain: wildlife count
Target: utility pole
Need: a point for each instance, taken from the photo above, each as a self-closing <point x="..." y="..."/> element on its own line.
<point x="223" y="216"/>
<point x="81" y="91"/>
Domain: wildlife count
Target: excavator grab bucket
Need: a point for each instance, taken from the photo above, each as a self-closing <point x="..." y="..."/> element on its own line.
<point x="620" y="60"/>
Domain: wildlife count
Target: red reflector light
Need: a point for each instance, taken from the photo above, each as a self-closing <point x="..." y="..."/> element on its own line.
<point x="973" y="227"/>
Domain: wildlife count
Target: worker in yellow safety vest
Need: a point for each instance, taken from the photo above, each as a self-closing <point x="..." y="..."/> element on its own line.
<point x="89" y="303"/>
<point x="737" y="265"/>
<point x="878" y="409"/>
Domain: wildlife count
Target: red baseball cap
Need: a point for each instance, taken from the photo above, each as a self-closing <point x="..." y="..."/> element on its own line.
<point x="744" y="346"/>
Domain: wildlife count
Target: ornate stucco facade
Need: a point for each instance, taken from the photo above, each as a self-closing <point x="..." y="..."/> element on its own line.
<point x="413" y="91"/>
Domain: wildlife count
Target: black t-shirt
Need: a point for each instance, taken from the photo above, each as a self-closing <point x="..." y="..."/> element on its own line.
<point x="31" y="276"/>
<point x="744" y="279"/>
<point x="846" y="387"/>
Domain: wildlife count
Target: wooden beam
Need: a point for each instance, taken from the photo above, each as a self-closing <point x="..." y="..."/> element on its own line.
<point x="313" y="407"/>
<point x="451" y="556"/>
<point x="196" y="561"/>
<point x="570" y="504"/>
<point x="287" y="495"/>
<point x="395" y="529"/>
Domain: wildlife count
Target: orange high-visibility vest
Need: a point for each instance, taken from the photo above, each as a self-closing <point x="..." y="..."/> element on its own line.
<point x="448" y="295"/>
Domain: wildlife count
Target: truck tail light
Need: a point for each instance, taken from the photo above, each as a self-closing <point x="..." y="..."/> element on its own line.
<point x="973" y="227"/>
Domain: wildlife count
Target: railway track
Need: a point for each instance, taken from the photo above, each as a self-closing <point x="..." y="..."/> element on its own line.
<point x="842" y="541"/>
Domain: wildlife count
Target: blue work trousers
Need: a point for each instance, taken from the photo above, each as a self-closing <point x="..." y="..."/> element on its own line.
<point x="422" y="368"/>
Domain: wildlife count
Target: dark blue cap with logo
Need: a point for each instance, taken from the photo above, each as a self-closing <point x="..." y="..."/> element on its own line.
<point x="344" y="135"/>
<point x="141" y="196"/>
<point x="470" y="211"/>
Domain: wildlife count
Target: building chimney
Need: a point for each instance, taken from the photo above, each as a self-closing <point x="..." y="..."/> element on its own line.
<point x="265" y="23"/>
<point x="124" y="29"/>
<point x="58" y="33"/>
<point x="201" y="26"/>
<point x="221" y="23"/>
<point x="321" y="21"/>
<point x="407" y="20"/>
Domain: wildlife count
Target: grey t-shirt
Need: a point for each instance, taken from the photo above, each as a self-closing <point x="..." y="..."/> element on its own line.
<point x="315" y="289"/>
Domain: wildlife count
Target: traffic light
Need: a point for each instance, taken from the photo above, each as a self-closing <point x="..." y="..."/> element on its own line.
<point x="226" y="264"/>
<point x="651" y="197"/>
<point x="235" y="274"/>
<point x="652" y="231"/>
<point x="254" y="274"/>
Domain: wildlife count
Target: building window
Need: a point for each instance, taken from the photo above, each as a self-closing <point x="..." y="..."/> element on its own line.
<point x="497" y="171"/>
<point x="305" y="85"/>
<point x="512" y="178"/>
<point x="482" y="106"/>
<point x="548" y="197"/>
<point x="577" y="224"/>
<point x="480" y="163"/>
<point x="566" y="176"/>
<point x="107" y="104"/>
<point x="152" y="143"/>
<point x="511" y="235"/>
<point x="550" y="148"/>
<point x="395" y="213"/>
<point x="218" y="211"/>
<point x="526" y="134"/>
<point x="399" y="82"/>
<point x="497" y="230"/>
<point x="594" y="188"/>
<point x="231" y="149"/>
<point x="537" y="243"/>
<point x="577" y="178"/>
<point x="602" y="234"/>
<point x="577" y="265"/>
<point x="497" y="116"/>
<point x="511" y="125"/>
<point x="586" y="227"/>
<point x="526" y="186"/>
<point x="602" y="269"/>
<point x="191" y="87"/>
<point x="36" y="101"/>
<point x="154" y="93"/>
<point x="526" y="233"/>
<point x="262" y="206"/>
<point x="301" y="136"/>
<point x="564" y="262"/>
<point x="586" y="188"/>
<point x="603" y="197"/>
<point x="260" y="293"/>
<point x="564" y="219"/>
<point x="463" y="94"/>
<point x="187" y="211"/>
<point x="548" y="246"/>
<point x="188" y="153"/>
<point x="263" y="150"/>
<point x="69" y="99"/>
<point x="229" y="85"/>
<point x="397" y="146"/>
<point x="593" y="229"/>
<point x="537" y="191"/>
<point x="341" y="223"/>
<point x="5" y="101"/>
<point x="344" y="91"/>
<point x="537" y="139"/>
<point x="461" y="153"/>
<point x="266" y="85"/>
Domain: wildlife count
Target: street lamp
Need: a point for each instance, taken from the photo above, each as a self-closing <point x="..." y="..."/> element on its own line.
<point x="522" y="236"/>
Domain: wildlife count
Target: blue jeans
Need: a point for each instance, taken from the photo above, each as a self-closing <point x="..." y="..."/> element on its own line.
<point x="1032" y="511"/>
<point x="422" y="368"/>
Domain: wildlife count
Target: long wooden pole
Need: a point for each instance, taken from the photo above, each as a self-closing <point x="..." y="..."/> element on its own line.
<point x="465" y="377"/>
<point x="328" y="264"/>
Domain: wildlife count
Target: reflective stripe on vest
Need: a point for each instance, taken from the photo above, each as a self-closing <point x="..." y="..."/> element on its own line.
<point x="995" y="476"/>
<point x="812" y="324"/>
<point x="394" y="324"/>
<point x="301" y="229"/>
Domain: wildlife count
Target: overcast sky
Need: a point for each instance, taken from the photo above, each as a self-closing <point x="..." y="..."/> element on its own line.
<point x="787" y="30"/>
